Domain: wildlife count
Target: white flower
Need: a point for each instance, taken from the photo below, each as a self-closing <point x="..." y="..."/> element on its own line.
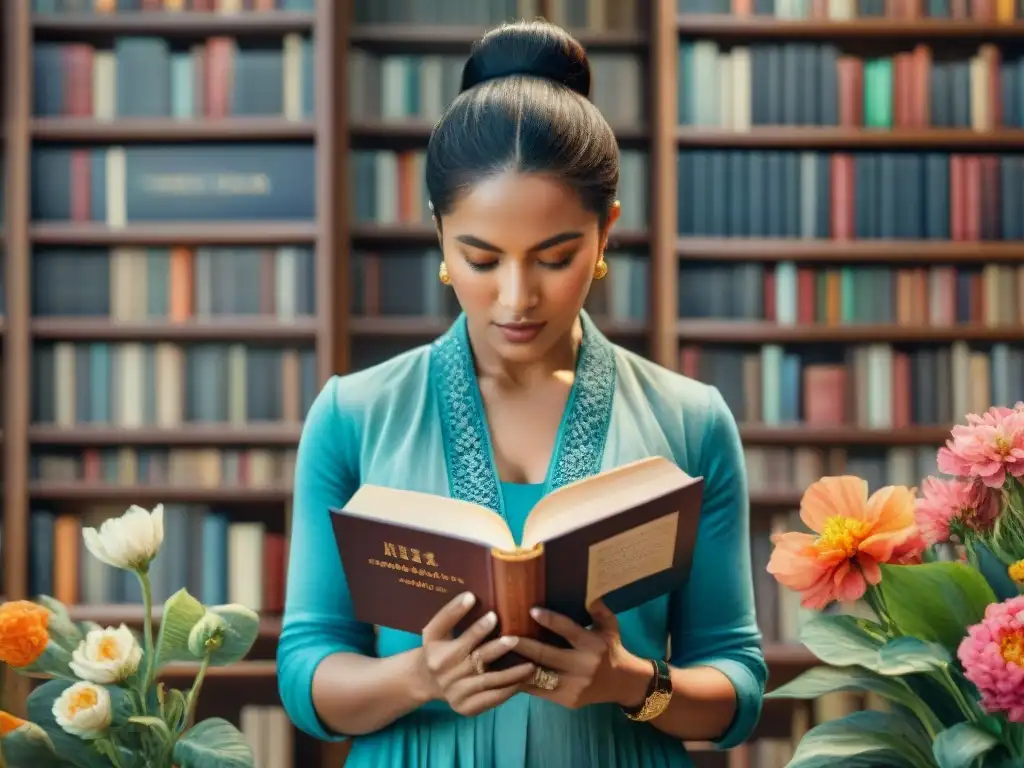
<point x="83" y="710"/>
<point x="130" y="541"/>
<point x="107" y="656"/>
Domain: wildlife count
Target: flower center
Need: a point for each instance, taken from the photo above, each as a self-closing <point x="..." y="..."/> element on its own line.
<point x="1016" y="571"/>
<point x="842" y="534"/>
<point x="82" y="699"/>
<point x="107" y="650"/>
<point x="1002" y="445"/>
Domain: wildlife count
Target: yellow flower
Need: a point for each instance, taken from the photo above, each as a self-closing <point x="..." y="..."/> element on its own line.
<point x="24" y="632"/>
<point x="84" y="710"/>
<point x="130" y="541"/>
<point x="107" y="656"/>
<point x="1016" y="571"/>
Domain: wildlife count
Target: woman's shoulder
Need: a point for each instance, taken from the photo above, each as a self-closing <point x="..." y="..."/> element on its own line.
<point x="382" y="383"/>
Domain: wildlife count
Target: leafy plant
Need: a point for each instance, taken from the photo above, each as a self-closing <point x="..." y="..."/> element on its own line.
<point x="101" y="704"/>
<point x="945" y="646"/>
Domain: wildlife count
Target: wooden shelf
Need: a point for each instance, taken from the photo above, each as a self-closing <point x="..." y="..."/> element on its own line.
<point x="148" y="495"/>
<point x="426" y="235"/>
<point x="168" y="130"/>
<point x="868" y="30"/>
<point x="806" y="435"/>
<point x="804" y="137"/>
<point x="244" y="671"/>
<point x="756" y="332"/>
<point x="447" y="38"/>
<point x="132" y="615"/>
<point x="422" y="327"/>
<point x="176" y="233"/>
<point x="415" y="132"/>
<point x="213" y="435"/>
<point x="742" y="249"/>
<point x="770" y="501"/>
<point x="253" y="330"/>
<point x="186" y="24"/>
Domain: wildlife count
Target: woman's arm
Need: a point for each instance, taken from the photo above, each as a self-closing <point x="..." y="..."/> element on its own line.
<point x="331" y="683"/>
<point x="717" y="664"/>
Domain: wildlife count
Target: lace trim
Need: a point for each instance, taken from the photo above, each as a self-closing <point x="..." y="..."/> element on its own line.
<point x="472" y="475"/>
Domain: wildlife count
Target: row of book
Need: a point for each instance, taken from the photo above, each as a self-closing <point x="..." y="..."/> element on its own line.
<point x="790" y="294"/>
<point x="988" y="11"/>
<point x="186" y="468"/>
<point x="397" y="87"/>
<point x="844" y="195"/>
<point x="215" y="556"/>
<point x="147" y="76"/>
<point x="872" y="386"/>
<point x="107" y="7"/>
<point x="175" y="284"/>
<point x="577" y="15"/>
<point x="737" y="87"/>
<point x="163" y="384"/>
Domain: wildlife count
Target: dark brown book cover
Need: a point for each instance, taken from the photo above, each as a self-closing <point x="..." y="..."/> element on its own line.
<point x="626" y="536"/>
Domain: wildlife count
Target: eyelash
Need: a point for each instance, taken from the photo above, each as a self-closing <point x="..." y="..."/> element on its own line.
<point x="547" y="265"/>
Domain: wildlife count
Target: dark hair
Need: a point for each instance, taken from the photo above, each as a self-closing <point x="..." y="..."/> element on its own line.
<point x="524" y="106"/>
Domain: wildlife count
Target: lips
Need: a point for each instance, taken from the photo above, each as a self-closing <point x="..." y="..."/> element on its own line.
<point x="520" y="333"/>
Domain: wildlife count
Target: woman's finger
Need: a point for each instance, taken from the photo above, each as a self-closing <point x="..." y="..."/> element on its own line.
<point x="577" y="636"/>
<point x="461" y="658"/>
<point x="488" y="700"/>
<point x="547" y="656"/>
<point x="475" y="635"/>
<point x="444" y="621"/>
<point x="480" y="692"/>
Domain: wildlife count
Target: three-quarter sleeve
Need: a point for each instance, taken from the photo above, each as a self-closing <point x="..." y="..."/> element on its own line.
<point x="318" y="619"/>
<point x="713" y="621"/>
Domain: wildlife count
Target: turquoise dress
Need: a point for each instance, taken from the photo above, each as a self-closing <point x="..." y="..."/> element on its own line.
<point x="417" y="422"/>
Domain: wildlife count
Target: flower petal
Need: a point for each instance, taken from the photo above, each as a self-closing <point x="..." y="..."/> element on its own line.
<point x="831" y="496"/>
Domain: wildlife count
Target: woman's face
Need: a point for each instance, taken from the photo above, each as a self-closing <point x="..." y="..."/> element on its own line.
<point x="521" y="251"/>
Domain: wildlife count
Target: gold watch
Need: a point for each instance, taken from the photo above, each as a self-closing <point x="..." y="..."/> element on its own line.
<point x="659" y="694"/>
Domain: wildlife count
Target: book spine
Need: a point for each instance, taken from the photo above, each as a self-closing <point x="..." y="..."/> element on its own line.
<point x="518" y="580"/>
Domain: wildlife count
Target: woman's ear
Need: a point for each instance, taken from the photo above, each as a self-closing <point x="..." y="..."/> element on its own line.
<point x="437" y="228"/>
<point x="614" y="211"/>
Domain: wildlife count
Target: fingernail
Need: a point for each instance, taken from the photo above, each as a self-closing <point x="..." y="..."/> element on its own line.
<point x="490" y="618"/>
<point x="509" y="640"/>
<point x="536" y="612"/>
<point x="468" y="599"/>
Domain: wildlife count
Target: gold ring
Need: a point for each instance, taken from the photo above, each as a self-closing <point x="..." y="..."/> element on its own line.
<point x="478" y="663"/>
<point x="545" y="679"/>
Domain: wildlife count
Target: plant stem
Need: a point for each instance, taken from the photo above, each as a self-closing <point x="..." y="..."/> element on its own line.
<point x="147" y="629"/>
<point x="874" y="599"/>
<point x="193" y="694"/>
<point x="949" y="683"/>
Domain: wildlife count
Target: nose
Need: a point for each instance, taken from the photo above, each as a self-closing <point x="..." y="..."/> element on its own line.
<point x="515" y="290"/>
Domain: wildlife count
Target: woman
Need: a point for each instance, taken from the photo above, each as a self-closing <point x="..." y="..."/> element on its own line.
<point x="522" y="395"/>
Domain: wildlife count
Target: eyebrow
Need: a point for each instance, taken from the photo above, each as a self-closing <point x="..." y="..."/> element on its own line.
<point x="543" y="245"/>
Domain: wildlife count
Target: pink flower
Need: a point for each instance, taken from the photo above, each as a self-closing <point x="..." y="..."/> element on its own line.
<point x="992" y="655"/>
<point x="947" y="507"/>
<point x="987" y="447"/>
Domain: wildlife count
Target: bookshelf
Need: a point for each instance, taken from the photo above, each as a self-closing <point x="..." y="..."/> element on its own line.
<point x="354" y="322"/>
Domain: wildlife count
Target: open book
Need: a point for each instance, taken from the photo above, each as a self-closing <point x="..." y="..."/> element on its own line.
<point x="625" y="535"/>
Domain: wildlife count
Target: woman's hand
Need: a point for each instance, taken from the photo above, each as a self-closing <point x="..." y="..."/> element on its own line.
<point x="595" y="670"/>
<point x="455" y="669"/>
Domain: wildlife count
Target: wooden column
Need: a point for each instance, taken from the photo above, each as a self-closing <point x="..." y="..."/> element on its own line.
<point x="664" y="261"/>
<point x="16" y="350"/>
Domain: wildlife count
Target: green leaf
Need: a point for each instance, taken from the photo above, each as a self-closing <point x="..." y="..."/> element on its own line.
<point x="61" y="628"/>
<point x="157" y="724"/>
<point x="180" y="614"/>
<point x="29" y="744"/>
<point x="242" y="630"/>
<point x="961" y="745"/>
<point x="213" y="743"/>
<point x="71" y="748"/>
<point x="935" y="602"/>
<point x="909" y="655"/>
<point x="55" y="661"/>
<point x="865" y="739"/>
<point x="840" y="640"/>
<point x="174" y="709"/>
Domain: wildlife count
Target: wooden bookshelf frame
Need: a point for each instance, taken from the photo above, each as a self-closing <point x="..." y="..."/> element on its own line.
<point x="335" y="234"/>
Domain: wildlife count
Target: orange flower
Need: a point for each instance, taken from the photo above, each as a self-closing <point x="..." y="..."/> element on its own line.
<point x="23" y="632"/>
<point x="8" y="723"/>
<point x="855" y="534"/>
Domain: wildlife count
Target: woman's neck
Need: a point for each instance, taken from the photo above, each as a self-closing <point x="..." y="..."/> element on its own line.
<point x="560" y="359"/>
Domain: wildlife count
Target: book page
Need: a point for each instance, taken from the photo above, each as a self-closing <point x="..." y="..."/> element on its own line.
<point x="631" y="555"/>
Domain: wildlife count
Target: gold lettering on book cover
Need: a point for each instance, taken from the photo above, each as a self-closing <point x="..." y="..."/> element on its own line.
<point x="401" y="552"/>
<point x="631" y="555"/>
<point x="426" y="573"/>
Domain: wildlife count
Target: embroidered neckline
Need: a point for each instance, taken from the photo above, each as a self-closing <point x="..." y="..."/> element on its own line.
<point x="469" y="455"/>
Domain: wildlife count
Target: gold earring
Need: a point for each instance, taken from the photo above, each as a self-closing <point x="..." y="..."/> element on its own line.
<point x="601" y="268"/>
<point x="442" y="274"/>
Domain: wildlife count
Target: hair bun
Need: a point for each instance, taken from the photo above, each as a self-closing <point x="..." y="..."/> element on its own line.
<point x="532" y="48"/>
